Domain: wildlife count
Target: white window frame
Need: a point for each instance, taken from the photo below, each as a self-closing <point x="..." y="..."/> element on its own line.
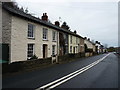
<point x="54" y="35"/>
<point x="53" y="49"/>
<point x="33" y="48"/>
<point x="45" y="34"/>
<point x="31" y="31"/>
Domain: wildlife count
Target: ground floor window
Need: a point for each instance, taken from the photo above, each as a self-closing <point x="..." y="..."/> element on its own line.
<point x="53" y="49"/>
<point x="30" y="51"/>
<point x="76" y="49"/>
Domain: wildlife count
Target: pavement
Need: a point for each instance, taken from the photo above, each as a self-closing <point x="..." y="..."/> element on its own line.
<point x="103" y="75"/>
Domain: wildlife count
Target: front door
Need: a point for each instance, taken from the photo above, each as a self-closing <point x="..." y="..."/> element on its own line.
<point x="44" y="50"/>
<point x="74" y="50"/>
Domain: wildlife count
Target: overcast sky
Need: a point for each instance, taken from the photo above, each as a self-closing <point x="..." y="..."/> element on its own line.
<point x="95" y="20"/>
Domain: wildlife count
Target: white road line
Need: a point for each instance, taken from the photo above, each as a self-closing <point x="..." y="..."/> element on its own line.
<point x="57" y="84"/>
<point x="66" y="76"/>
<point x="70" y="76"/>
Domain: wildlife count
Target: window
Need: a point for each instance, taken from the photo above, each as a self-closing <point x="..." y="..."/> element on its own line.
<point x="76" y="49"/>
<point x="45" y="34"/>
<point x="31" y="30"/>
<point x="30" y="51"/>
<point x="53" y="49"/>
<point x="71" y="49"/>
<point x="54" y="35"/>
<point x="71" y="39"/>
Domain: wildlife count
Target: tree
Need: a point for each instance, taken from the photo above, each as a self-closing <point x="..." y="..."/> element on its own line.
<point x="111" y="49"/>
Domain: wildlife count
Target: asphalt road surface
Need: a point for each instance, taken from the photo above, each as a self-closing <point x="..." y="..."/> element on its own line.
<point x="99" y="71"/>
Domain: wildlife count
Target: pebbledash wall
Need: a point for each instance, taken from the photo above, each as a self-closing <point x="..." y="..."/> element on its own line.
<point x="19" y="40"/>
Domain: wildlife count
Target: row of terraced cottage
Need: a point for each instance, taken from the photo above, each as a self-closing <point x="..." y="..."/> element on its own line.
<point x="24" y="36"/>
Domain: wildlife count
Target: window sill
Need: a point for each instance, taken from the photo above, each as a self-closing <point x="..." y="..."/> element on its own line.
<point x="45" y="39"/>
<point x="54" y="41"/>
<point x="31" y="38"/>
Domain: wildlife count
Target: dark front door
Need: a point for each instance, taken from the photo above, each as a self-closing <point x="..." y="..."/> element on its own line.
<point x="74" y="50"/>
<point x="5" y="52"/>
<point x="44" y="50"/>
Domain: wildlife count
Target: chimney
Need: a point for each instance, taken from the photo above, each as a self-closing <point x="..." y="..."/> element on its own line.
<point x="75" y="31"/>
<point x="88" y="39"/>
<point x="85" y="37"/>
<point x="65" y="26"/>
<point x="96" y="41"/>
<point x="44" y="17"/>
<point x="57" y="23"/>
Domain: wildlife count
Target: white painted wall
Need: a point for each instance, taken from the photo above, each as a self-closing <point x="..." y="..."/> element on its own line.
<point x="98" y="45"/>
<point x="19" y="40"/>
<point x="89" y="44"/>
<point x="73" y="44"/>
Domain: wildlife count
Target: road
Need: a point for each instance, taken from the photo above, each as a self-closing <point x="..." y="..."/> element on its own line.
<point x="99" y="71"/>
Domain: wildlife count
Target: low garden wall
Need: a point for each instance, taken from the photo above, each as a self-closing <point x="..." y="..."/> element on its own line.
<point x="24" y="65"/>
<point x="31" y="64"/>
<point x="69" y="57"/>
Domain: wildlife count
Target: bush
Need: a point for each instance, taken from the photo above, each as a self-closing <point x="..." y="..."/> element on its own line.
<point x="34" y="57"/>
<point x="89" y="50"/>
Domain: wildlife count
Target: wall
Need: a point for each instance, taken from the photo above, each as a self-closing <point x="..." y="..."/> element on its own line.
<point x="98" y="47"/>
<point x="19" y="39"/>
<point x="73" y="44"/>
<point x="93" y="48"/>
<point x="82" y="45"/>
<point x="25" y="65"/>
<point x="88" y="43"/>
<point x="6" y="27"/>
<point x="6" y="32"/>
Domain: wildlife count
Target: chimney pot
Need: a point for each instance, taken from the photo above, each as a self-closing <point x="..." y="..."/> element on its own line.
<point x="75" y="31"/>
<point x="57" y="23"/>
<point x="44" y="17"/>
<point x="88" y="39"/>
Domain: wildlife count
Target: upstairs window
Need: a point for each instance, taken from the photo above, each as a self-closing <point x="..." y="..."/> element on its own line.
<point x="54" y="36"/>
<point x="71" y="39"/>
<point x="45" y="34"/>
<point x="31" y="28"/>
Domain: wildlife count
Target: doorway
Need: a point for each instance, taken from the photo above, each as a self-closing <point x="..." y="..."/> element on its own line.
<point x="74" y="50"/>
<point x="44" y="50"/>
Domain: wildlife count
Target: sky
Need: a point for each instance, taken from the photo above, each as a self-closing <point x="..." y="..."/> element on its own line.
<point x="95" y="19"/>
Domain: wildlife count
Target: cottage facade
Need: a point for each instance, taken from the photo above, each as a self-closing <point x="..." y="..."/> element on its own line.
<point x="82" y="49"/>
<point x="26" y="37"/>
<point x="74" y="44"/>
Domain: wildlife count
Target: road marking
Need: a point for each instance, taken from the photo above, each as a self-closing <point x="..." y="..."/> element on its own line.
<point x="70" y="76"/>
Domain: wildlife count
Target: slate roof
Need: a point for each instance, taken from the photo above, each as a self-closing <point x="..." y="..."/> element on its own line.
<point x="17" y="12"/>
